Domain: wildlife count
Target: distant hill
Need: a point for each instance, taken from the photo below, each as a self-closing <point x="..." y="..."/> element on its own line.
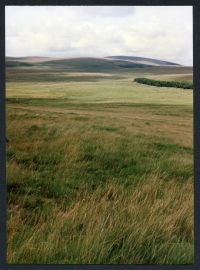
<point x="87" y="64"/>
<point x="142" y="60"/>
<point x="93" y="64"/>
<point x="15" y="63"/>
<point x="30" y="59"/>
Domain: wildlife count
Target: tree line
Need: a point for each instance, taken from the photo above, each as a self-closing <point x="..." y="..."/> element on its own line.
<point x="184" y="85"/>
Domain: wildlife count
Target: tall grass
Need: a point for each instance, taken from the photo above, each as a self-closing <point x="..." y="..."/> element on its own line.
<point x="144" y="224"/>
<point x="80" y="192"/>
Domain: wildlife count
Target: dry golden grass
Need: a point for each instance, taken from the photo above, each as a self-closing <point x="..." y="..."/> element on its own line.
<point x="110" y="223"/>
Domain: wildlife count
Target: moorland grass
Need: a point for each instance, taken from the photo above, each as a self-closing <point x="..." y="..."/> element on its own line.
<point x="99" y="182"/>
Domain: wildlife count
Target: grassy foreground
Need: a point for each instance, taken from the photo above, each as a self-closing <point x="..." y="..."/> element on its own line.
<point x="99" y="172"/>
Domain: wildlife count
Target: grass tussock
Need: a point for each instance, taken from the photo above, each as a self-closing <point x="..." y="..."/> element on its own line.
<point x="142" y="225"/>
<point x="105" y="195"/>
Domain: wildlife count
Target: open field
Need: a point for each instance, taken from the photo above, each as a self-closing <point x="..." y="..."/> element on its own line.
<point x="99" y="168"/>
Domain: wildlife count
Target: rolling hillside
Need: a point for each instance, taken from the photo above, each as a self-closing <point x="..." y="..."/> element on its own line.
<point x="88" y="64"/>
<point x="142" y="60"/>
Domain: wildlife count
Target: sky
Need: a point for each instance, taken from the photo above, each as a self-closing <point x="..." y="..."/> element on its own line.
<point x="160" y="32"/>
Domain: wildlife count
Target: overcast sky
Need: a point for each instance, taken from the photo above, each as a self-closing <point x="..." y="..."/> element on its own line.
<point x="157" y="32"/>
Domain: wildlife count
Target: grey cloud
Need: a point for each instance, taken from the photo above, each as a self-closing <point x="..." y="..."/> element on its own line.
<point x="106" y="11"/>
<point x="157" y="32"/>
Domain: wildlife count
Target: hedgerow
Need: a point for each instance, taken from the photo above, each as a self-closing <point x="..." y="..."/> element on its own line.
<point x="184" y="85"/>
